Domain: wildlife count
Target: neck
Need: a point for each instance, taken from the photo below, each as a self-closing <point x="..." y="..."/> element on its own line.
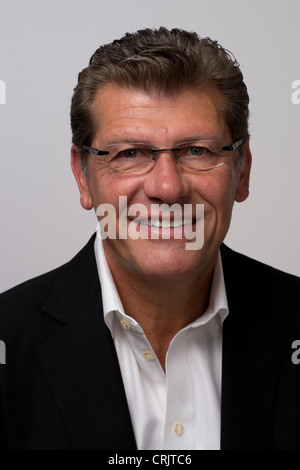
<point x="162" y="307"/>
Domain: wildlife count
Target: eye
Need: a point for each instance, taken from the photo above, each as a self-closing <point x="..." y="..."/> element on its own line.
<point x="130" y="153"/>
<point x="196" y="151"/>
<point x="193" y="151"/>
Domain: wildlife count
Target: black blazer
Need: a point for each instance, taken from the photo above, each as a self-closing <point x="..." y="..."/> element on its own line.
<point x="61" y="386"/>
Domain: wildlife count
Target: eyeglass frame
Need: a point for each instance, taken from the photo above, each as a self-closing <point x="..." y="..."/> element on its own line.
<point x="226" y="148"/>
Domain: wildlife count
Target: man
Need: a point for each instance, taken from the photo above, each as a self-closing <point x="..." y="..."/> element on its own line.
<point x="143" y="341"/>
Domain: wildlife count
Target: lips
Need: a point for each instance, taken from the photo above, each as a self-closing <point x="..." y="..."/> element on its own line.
<point x="165" y="223"/>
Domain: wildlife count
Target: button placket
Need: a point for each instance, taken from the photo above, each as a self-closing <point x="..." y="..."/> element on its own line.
<point x="179" y="412"/>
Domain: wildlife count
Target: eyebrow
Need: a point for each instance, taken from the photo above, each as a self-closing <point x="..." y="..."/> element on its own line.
<point x="129" y="142"/>
<point x="125" y="140"/>
<point x="149" y="143"/>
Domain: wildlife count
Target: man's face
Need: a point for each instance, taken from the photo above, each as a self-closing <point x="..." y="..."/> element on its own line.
<point x="125" y="115"/>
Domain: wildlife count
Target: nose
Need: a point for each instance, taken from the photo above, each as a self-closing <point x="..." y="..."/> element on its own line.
<point x="166" y="182"/>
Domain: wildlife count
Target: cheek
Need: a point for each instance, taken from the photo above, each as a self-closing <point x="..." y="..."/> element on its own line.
<point x="107" y="186"/>
<point x="217" y="188"/>
<point x="217" y="193"/>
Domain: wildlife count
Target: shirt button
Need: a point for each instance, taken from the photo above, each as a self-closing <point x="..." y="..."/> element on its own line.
<point x="148" y="355"/>
<point x="125" y="324"/>
<point x="178" y="429"/>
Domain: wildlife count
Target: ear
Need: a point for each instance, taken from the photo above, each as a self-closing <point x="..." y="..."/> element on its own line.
<point x="242" y="191"/>
<point x="85" y="197"/>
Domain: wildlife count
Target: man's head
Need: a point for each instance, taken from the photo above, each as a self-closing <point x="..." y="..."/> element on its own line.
<point x="157" y="90"/>
<point x="160" y="62"/>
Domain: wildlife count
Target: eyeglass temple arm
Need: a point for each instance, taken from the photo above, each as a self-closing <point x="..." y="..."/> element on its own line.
<point x="233" y="146"/>
<point x="95" y="151"/>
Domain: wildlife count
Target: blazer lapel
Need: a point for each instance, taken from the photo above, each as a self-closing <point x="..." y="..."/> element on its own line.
<point x="251" y="359"/>
<point x="80" y="363"/>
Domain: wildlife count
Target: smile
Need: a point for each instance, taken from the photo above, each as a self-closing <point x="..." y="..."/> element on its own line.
<point x="165" y="223"/>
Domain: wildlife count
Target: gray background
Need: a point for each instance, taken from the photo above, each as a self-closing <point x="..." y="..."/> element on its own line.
<point x="43" y="46"/>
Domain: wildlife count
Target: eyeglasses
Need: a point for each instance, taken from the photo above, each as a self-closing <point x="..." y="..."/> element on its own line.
<point x="135" y="157"/>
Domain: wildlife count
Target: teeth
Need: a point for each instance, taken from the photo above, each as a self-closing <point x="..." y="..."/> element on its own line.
<point x="166" y="223"/>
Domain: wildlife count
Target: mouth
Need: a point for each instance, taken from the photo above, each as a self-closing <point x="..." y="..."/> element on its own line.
<point x="178" y="223"/>
<point x="166" y="223"/>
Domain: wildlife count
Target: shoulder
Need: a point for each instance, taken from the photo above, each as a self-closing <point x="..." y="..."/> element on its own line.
<point x="263" y="288"/>
<point x="23" y="302"/>
<point x="240" y="265"/>
<point x="22" y="323"/>
<point x="31" y="290"/>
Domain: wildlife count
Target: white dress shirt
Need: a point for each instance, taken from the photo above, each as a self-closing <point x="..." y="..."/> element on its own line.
<point x="179" y="409"/>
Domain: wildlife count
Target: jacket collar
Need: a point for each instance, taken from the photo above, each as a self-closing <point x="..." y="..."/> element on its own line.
<point x="76" y="284"/>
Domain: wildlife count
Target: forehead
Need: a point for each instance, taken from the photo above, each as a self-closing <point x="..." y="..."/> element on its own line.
<point x="126" y="114"/>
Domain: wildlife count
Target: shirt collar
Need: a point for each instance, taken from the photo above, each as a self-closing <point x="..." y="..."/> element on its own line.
<point x="110" y="297"/>
<point x="112" y="303"/>
<point x="218" y="299"/>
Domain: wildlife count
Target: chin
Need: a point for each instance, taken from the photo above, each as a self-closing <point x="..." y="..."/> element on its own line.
<point x="166" y="262"/>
